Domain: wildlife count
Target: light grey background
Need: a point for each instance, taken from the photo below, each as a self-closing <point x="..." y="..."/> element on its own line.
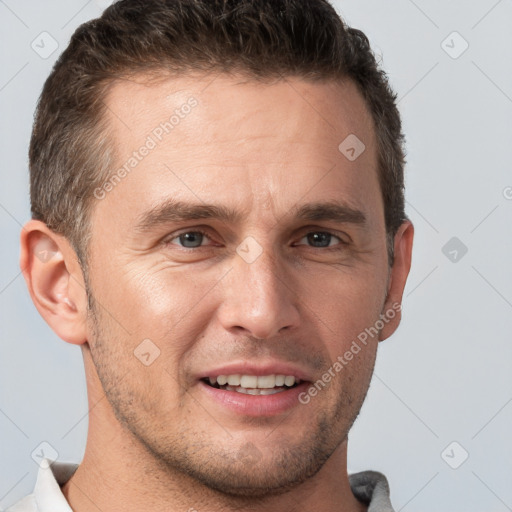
<point x="445" y="375"/>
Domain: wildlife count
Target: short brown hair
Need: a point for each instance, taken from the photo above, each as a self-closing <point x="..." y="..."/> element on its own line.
<point x="70" y="152"/>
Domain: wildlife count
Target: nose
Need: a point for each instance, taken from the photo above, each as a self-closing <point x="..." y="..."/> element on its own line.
<point x="259" y="300"/>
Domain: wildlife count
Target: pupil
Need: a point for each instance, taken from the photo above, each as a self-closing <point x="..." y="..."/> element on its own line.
<point x="192" y="239"/>
<point x="319" y="239"/>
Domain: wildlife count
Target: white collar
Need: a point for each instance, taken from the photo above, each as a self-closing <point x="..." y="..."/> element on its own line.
<point x="47" y="491"/>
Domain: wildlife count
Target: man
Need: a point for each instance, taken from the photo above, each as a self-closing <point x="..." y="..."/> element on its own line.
<point x="218" y="222"/>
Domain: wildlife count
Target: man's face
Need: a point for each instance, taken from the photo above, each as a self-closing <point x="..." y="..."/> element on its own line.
<point x="280" y="284"/>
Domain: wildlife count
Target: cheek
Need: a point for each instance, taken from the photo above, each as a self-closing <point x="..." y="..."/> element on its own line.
<point x="345" y="302"/>
<point x="139" y="377"/>
<point x="346" y="311"/>
<point x="152" y="300"/>
<point x="170" y="308"/>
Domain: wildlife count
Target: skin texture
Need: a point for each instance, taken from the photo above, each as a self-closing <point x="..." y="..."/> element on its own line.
<point x="156" y="439"/>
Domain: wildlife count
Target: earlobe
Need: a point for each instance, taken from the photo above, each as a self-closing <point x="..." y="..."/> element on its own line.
<point x="398" y="277"/>
<point x="54" y="280"/>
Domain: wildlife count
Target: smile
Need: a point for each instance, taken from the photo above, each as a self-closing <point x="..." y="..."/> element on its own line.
<point x="253" y="384"/>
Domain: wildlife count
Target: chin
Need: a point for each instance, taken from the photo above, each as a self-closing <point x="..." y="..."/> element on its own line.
<point x="258" y="481"/>
<point x="248" y="473"/>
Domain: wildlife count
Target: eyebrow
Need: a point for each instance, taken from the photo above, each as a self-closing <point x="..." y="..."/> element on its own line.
<point x="179" y="211"/>
<point x="332" y="210"/>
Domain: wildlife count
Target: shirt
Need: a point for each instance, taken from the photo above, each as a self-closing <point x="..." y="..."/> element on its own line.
<point x="370" y="487"/>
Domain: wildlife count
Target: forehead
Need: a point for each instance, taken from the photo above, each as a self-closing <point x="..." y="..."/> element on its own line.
<point x="246" y="143"/>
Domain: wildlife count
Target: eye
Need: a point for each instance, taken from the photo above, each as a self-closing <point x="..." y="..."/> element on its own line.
<point x="189" y="239"/>
<point x="319" y="239"/>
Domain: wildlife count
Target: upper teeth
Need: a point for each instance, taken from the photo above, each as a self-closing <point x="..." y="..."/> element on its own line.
<point x="254" y="381"/>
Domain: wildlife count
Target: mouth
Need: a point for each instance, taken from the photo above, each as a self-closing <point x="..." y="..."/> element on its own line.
<point x="253" y="384"/>
<point x="249" y="389"/>
<point x="248" y="395"/>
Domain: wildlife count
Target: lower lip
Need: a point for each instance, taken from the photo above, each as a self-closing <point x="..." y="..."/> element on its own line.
<point x="256" y="405"/>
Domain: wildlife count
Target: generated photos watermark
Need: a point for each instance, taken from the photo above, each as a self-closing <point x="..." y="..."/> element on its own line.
<point x="156" y="136"/>
<point x="344" y="359"/>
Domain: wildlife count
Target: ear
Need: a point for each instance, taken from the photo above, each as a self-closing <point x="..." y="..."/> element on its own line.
<point x="55" y="281"/>
<point x="392" y="310"/>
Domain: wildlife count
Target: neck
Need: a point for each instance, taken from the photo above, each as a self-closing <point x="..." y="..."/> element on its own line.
<point x="118" y="473"/>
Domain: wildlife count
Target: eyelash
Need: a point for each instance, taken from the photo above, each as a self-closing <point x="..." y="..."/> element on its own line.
<point x="204" y="233"/>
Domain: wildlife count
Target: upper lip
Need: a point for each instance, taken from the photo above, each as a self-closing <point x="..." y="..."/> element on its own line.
<point x="252" y="368"/>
